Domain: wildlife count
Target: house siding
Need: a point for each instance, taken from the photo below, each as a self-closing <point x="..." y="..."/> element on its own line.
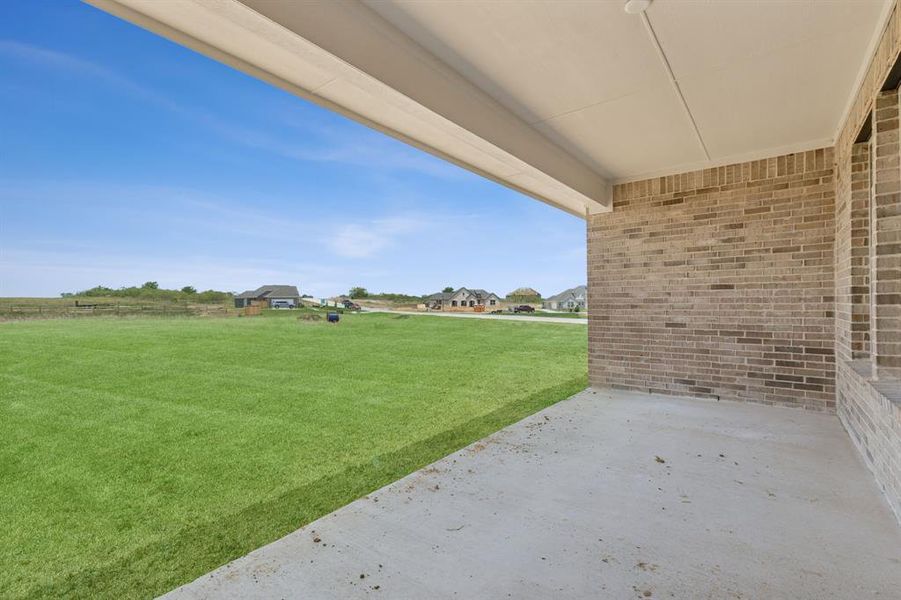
<point x="566" y="300"/>
<point x="465" y="296"/>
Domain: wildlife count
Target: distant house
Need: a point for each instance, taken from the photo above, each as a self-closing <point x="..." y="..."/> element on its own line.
<point x="570" y="299"/>
<point x="463" y="299"/>
<point x="281" y="296"/>
<point x="524" y="295"/>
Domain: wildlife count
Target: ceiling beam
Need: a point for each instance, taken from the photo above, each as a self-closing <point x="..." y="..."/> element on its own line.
<point x="342" y="55"/>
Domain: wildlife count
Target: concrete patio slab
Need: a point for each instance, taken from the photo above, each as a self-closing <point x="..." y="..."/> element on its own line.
<point x="604" y="495"/>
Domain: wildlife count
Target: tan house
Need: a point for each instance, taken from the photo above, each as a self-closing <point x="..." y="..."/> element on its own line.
<point x="738" y="169"/>
<point x="464" y="299"/>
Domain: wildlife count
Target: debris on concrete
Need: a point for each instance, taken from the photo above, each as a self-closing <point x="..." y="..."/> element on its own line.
<point x="518" y="506"/>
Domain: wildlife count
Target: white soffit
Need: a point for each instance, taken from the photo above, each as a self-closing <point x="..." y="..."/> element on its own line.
<point x="759" y="77"/>
<point x="553" y="98"/>
<point x="768" y="76"/>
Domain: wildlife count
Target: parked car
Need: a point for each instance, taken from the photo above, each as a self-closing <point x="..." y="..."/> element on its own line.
<point x="523" y="308"/>
<point x="281" y="304"/>
<point x="351" y="305"/>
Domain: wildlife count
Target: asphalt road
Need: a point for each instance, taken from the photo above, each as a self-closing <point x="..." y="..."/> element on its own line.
<point x="455" y="315"/>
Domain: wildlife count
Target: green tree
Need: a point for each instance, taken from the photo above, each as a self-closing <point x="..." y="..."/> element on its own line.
<point x="213" y="296"/>
<point x="358" y="292"/>
<point x="151" y="290"/>
<point x="448" y="290"/>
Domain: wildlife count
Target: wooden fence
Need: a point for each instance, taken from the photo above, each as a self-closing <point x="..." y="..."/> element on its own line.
<point x="10" y="311"/>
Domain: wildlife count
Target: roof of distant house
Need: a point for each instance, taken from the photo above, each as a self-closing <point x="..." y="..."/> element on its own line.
<point x="440" y="296"/>
<point x="477" y="292"/>
<point x="480" y="293"/>
<point x="565" y="294"/>
<point x="271" y="291"/>
<point x="524" y="291"/>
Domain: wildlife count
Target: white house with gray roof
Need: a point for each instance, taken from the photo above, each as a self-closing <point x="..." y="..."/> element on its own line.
<point x="272" y="296"/>
<point x="570" y="299"/>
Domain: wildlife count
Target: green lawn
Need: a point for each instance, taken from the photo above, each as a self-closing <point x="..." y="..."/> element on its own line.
<point x="137" y="454"/>
<point x="538" y="313"/>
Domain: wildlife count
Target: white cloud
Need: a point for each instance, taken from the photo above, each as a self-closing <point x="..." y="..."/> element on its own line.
<point x="366" y="240"/>
<point x="48" y="273"/>
<point x="59" y="61"/>
<point x="189" y="212"/>
<point x="358" y="147"/>
<point x="207" y="237"/>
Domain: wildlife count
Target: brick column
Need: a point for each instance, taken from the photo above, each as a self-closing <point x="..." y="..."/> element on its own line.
<point x="860" y="250"/>
<point x="885" y="247"/>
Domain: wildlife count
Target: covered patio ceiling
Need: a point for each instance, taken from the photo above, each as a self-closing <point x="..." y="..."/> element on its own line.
<point x="497" y="88"/>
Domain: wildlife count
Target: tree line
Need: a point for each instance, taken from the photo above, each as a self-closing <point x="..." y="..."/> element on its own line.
<point x="359" y="292"/>
<point x="151" y="290"/>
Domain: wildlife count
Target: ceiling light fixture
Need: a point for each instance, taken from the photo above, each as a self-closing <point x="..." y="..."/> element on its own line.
<point x="634" y="7"/>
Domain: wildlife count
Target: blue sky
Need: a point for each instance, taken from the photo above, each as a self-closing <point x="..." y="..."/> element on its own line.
<point x="126" y="158"/>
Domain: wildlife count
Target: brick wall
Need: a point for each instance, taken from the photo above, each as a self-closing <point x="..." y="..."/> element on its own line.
<point x="857" y="262"/>
<point x="718" y="283"/>
<point x="869" y="406"/>
<point x="873" y="420"/>
<point x="774" y="281"/>
<point x="885" y="251"/>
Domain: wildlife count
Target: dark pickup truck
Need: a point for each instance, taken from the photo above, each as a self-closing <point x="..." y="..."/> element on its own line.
<point x="523" y="308"/>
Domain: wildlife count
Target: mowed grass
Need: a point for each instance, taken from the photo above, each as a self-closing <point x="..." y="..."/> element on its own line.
<point x="136" y="455"/>
<point x="561" y="315"/>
